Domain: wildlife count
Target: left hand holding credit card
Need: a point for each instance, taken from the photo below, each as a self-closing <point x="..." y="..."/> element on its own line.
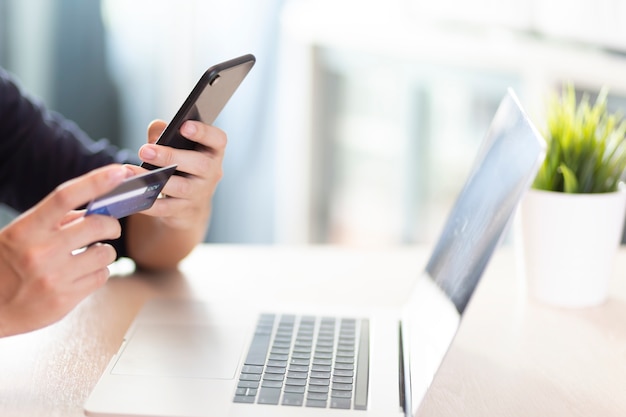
<point x="135" y="194"/>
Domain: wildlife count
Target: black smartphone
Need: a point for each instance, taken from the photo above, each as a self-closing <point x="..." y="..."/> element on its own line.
<point x="206" y="100"/>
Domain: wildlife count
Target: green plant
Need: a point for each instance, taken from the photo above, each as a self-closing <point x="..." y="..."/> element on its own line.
<point x="586" y="150"/>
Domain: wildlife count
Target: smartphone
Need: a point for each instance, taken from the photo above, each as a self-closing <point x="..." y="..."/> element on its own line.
<point x="206" y="100"/>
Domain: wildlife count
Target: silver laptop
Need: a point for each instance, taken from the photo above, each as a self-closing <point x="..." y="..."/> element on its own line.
<point x="190" y="358"/>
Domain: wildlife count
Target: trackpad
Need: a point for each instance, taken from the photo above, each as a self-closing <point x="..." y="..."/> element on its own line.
<point x="188" y="351"/>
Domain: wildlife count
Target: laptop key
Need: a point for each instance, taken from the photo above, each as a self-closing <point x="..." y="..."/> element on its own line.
<point x="244" y="399"/>
<point x="258" y="350"/>
<point x="248" y="384"/>
<point x="324" y="349"/>
<point x="343" y="403"/>
<point x="250" y="377"/>
<point x="316" y="403"/>
<point x="342" y="379"/>
<point x="321" y="368"/>
<point x="293" y="399"/>
<point x="323" y="375"/>
<point x="323" y="355"/>
<point x="268" y="383"/>
<point x="304" y="349"/>
<point x="344" y="372"/>
<point x="295" y="381"/>
<point x="341" y="394"/>
<point x="322" y="396"/>
<point x="295" y="389"/>
<point x="318" y="388"/>
<point x="319" y="381"/>
<point x="260" y="342"/>
<point x="252" y="369"/>
<point x="278" y="357"/>
<point x="278" y="364"/>
<point x="274" y="370"/>
<point x="273" y="377"/>
<point x="269" y="395"/>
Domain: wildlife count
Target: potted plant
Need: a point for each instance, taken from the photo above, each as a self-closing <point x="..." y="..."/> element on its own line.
<point x="572" y="218"/>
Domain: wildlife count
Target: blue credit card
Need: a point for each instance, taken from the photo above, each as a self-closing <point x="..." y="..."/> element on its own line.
<point x="135" y="194"/>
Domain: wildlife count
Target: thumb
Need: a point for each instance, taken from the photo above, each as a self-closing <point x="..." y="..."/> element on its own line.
<point x="155" y="129"/>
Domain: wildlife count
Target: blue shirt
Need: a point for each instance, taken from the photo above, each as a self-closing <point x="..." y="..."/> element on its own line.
<point x="39" y="150"/>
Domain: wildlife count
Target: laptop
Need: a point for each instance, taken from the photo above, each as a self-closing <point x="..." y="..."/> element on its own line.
<point x="192" y="358"/>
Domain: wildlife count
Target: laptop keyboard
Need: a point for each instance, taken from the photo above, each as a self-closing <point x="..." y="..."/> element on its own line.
<point x="307" y="361"/>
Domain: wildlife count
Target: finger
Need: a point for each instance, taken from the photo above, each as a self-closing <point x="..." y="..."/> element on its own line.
<point x="166" y="207"/>
<point x="95" y="276"/>
<point x="160" y="155"/>
<point x="135" y="170"/>
<point x="209" y="136"/>
<point x="85" y="231"/>
<point x="77" y="192"/>
<point x="197" y="162"/>
<point x="71" y="216"/>
<point x="92" y="259"/>
<point x="155" y="128"/>
<point x="180" y="187"/>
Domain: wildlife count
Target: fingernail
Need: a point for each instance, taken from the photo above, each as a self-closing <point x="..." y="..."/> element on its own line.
<point x="189" y="129"/>
<point x="147" y="152"/>
<point x="117" y="174"/>
<point x="128" y="172"/>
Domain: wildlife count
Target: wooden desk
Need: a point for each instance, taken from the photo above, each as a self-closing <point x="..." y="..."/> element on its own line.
<point x="511" y="356"/>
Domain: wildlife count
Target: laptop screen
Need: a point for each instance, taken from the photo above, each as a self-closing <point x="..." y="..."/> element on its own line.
<point x="503" y="170"/>
<point x="505" y="166"/>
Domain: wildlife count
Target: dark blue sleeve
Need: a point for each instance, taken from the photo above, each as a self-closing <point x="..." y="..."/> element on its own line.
<point x="39" y="150"/>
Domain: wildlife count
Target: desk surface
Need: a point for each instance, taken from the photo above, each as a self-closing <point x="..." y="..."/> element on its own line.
<point x="511" y="356"/>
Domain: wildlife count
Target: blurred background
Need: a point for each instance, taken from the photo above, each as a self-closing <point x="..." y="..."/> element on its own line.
<point x="361" y="118"/>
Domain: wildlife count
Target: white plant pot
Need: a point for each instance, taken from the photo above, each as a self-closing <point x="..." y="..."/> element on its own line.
<point x="568" y="243"/>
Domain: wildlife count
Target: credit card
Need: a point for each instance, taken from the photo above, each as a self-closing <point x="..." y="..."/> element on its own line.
<point x="135" y="194"/>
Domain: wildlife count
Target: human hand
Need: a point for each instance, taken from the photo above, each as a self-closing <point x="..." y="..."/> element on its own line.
<point x="42" y="273"/>
<point x="189" y="197"/>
